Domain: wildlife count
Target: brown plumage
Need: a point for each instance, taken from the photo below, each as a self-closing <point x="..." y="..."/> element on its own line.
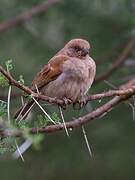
<point x="69" y="74"/>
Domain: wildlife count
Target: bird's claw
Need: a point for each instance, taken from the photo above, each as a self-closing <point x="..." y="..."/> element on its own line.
<point x="66" y="102"/>
<point x="81" y="102"/>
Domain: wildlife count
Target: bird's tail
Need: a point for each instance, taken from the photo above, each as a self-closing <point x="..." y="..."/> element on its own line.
<point x="24" y="110"/>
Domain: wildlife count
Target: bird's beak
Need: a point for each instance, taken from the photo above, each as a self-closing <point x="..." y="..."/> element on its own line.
<point x="85" y="52"/>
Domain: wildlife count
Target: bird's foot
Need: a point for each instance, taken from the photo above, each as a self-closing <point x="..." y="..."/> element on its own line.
<point x="66" y="102"/>
<point x="81" y="102"/>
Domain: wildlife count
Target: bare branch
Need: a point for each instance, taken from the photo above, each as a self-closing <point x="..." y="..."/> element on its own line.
<point x="78" y="122"/>
<point x="124" y="93"/>
<point x="26" y="89"/>
<point x="12" y="81"/>
<point x="121" y="59"/>
<point x="110" y="53"/>
<point x="75" y="123"/>
<point x="27" y="15"/>
<point x="14" y="95"/>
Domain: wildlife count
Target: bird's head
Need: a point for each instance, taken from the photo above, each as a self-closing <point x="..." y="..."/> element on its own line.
<point x="77" y="48"/>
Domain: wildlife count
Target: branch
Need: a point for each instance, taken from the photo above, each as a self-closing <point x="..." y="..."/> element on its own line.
<point x="14" y="95"/>
<point x="26" y="16"/>
<point x="129" y="90"/>
<point x="111" y="93"/>
<point x="124" y="93"/>
<point x="26" y="89"/>
<point x="121" y="59"/>
<point x="110" y="53"/>
<point x="78" y="122"/>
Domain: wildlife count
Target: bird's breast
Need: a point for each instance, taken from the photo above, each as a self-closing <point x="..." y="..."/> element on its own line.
<point x="75" y="70"/>
<point x="74" y="81"/>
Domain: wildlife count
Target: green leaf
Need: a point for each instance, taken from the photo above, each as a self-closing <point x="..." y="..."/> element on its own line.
<point x="43" y="120"/>
<point x="3" y="80"/>
<point x="9" y="65"/>
<point x="21" y="80"/>
<point x="7" y="145"/>
<point x="3" y="108"/>
<point x="55" y="117"/>
<point x="37" y="139"/>
<point x="23" y="124"/>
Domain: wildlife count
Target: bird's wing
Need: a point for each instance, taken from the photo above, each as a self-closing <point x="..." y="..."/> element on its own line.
<point x="49" y="72"/>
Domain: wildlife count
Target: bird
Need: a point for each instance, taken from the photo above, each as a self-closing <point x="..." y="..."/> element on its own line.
<point x="68" y="75"/>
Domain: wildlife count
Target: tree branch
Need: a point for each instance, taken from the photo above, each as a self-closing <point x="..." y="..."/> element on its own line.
<point x="26" y="16"/>
<point x="78" y="122"/>
<point x="124" y="93"/>
<point x="14" y="95"/>
<point x="26" y="89"/>
<point x="121" y="59"/>
<point x="129" y="90"/>
<point x="110" y="53"/>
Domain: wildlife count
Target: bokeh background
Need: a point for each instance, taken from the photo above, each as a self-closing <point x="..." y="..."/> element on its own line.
<point x="107" y="24"/>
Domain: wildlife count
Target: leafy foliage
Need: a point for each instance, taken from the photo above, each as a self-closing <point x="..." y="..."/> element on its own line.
<point x="21" y="79"/>
<point x="7" y="145"/>
<point x="9" y="65"/>
<point x="42" y="120"/>
<point x="3" y="108"/>
<point x="3" y="81"/>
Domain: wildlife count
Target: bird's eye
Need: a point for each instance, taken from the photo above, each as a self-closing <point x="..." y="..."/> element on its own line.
<point x="77" y="48"/>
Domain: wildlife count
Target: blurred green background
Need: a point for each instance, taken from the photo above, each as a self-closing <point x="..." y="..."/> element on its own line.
<point x="106" y="24"/>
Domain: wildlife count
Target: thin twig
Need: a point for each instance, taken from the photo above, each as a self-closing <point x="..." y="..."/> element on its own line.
<point x="132" y="105"/>
<point x="8" y="108"/>
<point x="19" y="154"/>
<point x="22" y="149"/>
<point x="110" y="84"/>
<point x="25" y="114"/>
<point x="47" y="115"/>
<point x="61" y="113"/>
<point x="86" y="140"/>
<point x="22" y="101"/>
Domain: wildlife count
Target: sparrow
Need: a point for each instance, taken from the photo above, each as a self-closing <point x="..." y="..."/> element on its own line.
<point x="68" y="75"/>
